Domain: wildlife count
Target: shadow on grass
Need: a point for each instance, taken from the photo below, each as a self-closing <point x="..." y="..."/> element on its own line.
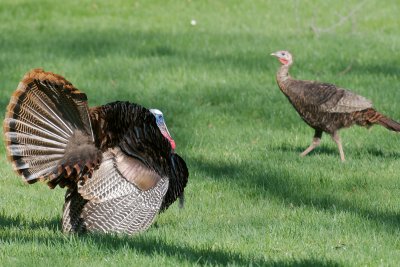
<point x="385" y="68"/>
<point x="322" y="149"/>
<point x="173" y="49"/>
<point x="332" y="151"/>
<point x="285" y="185"/>
<point x="382" y="154"/>
<point x="20" y="222"/>
<point x="143" y="244"/>
<point x="90" y="44"/>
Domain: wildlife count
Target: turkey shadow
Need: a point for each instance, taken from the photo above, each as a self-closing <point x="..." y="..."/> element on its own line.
<point x="382" y="154"/>
<point x="151" y="246"/>
<point x="141" y="243"/>
<point x="19" y="221"/>
<point x="321" y="149"/>
<point x="282" y="184"/>
<point x="332" y="151"/>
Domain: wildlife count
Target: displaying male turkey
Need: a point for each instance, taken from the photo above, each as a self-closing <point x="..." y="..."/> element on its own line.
<point x="117" y="160"/>
<point x="325" y="107"/>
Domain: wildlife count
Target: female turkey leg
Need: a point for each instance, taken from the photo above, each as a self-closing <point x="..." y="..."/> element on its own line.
<point x="314" y="144"/>
<point x="336" y="138"/>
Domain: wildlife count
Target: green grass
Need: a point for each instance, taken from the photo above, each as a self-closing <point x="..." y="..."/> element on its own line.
<point x="251" y="199"/>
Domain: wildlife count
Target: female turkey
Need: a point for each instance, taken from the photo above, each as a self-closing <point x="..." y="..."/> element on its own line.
<point x="117" y="160"/>
<point x="325" y="107"/>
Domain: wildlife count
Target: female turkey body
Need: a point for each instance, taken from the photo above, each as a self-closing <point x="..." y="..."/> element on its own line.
<point x="325" y="107"/>
<point x="314" y="115"/>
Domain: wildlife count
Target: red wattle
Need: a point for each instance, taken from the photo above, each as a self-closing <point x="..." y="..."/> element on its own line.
<point x="283" y="61"/>
<point x="172" y="143"/>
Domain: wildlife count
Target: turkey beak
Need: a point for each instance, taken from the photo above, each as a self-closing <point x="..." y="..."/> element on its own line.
<point x="274" y="54"/>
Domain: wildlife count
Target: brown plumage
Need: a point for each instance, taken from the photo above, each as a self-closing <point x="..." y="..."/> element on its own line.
<point x="117" y="160"/>
<point x="325" y="107"/>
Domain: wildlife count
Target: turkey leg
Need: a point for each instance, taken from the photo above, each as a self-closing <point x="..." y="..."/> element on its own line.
<point x="315" y="142"/>
<point x="336" y="138"/>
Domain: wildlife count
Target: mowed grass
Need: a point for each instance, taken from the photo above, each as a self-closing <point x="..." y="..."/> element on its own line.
<point x="251" y="200"/>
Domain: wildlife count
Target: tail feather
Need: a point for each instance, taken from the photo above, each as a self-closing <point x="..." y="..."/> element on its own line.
<point x="45" y="122"/>
<point x="35" y="161"/>
<point x="32" y="173"/>
<point x="17" y="126"/>
<point x="37" y="109"/>
<point x="25" y="138"/>
<point x="389" y="123"/>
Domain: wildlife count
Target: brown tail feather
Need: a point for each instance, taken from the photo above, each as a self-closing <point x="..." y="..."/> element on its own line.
<point x="389" y="123"/>
<point x="47" y="128"/>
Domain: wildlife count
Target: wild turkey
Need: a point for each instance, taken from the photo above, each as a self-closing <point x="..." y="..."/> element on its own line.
<point x="117" y="160"/>
<point x="325" y="107"/>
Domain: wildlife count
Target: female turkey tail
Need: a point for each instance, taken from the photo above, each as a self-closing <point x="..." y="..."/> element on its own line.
<point x="389" y="123"/>
<point x="47" y="128"/>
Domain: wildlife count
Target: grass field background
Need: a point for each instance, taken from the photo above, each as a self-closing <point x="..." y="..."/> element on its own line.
<point x="251" y="200"/>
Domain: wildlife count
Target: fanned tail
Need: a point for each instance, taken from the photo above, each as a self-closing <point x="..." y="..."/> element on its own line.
<point x="46" y="128"/>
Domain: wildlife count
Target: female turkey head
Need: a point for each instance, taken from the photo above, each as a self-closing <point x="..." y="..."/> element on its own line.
<point x="284" y="57"/>
<point x="162" y="126"/>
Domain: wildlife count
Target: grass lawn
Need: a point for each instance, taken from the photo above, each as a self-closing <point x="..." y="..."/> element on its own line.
<point x="251" y="200"/>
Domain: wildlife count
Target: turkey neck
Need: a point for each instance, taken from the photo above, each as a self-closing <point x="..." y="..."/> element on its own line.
<point x="283" y="78"/>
